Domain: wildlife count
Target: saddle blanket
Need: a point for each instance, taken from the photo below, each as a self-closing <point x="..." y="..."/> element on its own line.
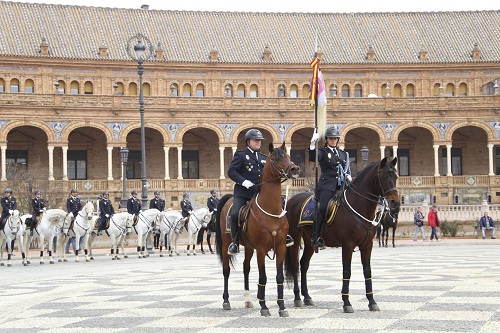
<point x="307" y="211"/>
<point x="245" y="211"/>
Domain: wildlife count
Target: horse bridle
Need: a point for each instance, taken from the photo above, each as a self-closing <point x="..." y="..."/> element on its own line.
<point x="201" y="224"/>
<point x="9" y="222"/>
<point x="282" y="173"/>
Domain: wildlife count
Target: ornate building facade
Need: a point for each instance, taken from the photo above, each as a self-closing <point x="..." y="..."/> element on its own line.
<point x="420" y="86"/>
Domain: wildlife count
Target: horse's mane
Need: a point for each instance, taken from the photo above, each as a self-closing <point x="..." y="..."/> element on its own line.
<point x="364" y="171"/>
<point x="54" y="215"/>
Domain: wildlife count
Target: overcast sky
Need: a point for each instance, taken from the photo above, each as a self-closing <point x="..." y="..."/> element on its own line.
<point x="292" y="5"/>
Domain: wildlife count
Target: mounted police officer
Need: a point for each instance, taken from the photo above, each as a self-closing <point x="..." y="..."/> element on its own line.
<point x="105" y="211"/>
<point x="73" y="206"/>
<point x="212" y="203"/>
<point x="186" y="208"/>
<point x="245" y="170"/>
<point x="159" y="204"/>
<point x="334" y="164"/>
<point x="38" y="208"/>
<point x="9" y="204"/>
<point x="134" y="205"/>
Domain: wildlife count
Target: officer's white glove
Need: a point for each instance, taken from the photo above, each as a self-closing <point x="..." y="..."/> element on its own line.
<point x="11" y="212"/>
<point x="44" y="209"/>
<point x="107" y="215"/>
<point x="315" y="137"/>
<point x="190" y="212"/>
<point x="348" y="178"/>
<point x="247" y="184"/>
<point x="215" y="209"/>
<point x="72" y="214"/>
<point x="41" y="210"/>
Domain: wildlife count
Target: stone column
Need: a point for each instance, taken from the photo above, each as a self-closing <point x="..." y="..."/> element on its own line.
<point x="179" y="163"/>
<point x="436" y="160"/>
<point x="51" y="162"/>
<point x="234" y="148"/>
<point x="167" y="165"/>
<point x="490" y="159"/>
<point x="448" y="160"/>
<point x="382" y="152"/>
<point x="110" y="163"/>
<point x="65" y="162"/>
<point x="394" y="151"/>
<point x="4" y="163"/>
<point x="221" y="162"/>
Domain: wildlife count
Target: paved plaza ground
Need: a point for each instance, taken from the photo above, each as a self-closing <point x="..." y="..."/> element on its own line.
<point x="449" y="286"/>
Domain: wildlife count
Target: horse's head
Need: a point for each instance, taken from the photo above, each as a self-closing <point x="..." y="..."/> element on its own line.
<point x="280" y="162"/>
<point x="387" y="177"/>
<point x="88" y="210"/>
<point x="15" y="219"/>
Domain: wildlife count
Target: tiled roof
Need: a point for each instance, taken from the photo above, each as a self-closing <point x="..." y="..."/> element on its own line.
<point x="76" y="32"/>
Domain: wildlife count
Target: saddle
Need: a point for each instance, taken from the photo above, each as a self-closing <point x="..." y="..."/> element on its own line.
<point x="242" y="218"/>
<point x="99" y="222"/>
<point x="136" y="219"/>
<point x="35" y="222"/>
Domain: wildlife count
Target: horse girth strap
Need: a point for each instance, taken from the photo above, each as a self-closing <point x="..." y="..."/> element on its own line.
<point x="265" y="226"/>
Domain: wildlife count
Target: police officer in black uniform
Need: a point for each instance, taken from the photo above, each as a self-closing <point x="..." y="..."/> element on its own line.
<point x="134" y="205"/>
<point x="105" y="211"/>
<point x="159" y="204"/>
<point x="9" y="204"/>
<point x="334" y="164"/>
<point x="212" y="203"/>
<point x="38" y="208"/>
<point x="73" y="206"/>
<point x="186" y="208"/>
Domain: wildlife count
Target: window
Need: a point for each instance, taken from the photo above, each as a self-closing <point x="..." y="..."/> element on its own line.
<point x="410" y="90"/>
<point x="294" y="91"/>
<point x="77" y="164"/>
<point x="437" y="90"/>
<point x="190" y="164"/>
<point x="121" y="88"/>
<point x="241" y="90"/>
<point x="186" y="90"/>
<point x="281" y="90"/>
<point x="450" y="89"/>
<point x="462" y="89"/>
<point x="254" y="91"/>
<point x="2" y="85"/>
<point x="353" y="161"/>
<point x="358" y="91"/>
<point x="14" y="86"/>
<point x="88" y="88"/>
<point x="305" y="91"/>
<point x="132" y="89"/>
<point x="200" y="90"/>
<point x="383" y="91"/>
<point x="397" y="91"/>
<point x="404" y="162"/>
<point x="29" y="86"/>
<point x="74" y="88"/>
<point x="16" y="160"/>
<point x="228" y="90"/>
<point x="146" y="89"/>
<point x="299" y="158"/>
<point x="497" y="160"/>
<point x="62" y="87"/>
<point x="345" y="90"/>
<point x="332" y="90"/>
<point x="488" y="89"/>
<point x="174" y="90"/>
<point x="456" y="161"/>
<point x="134" y="164"/>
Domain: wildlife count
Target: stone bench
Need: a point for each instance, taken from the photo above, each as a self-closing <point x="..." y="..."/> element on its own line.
<point x="487" y="232"/>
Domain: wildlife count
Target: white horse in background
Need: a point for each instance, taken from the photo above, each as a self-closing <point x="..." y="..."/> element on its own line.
<point x="13" y="230"/>
<point x="197" y="219"/>
<point x="51" y="219"/>
<point x="119" y="227"/>
<point x="146" y="221"/>
<point x="170" y="223"/>
<point x="81" y="229"/>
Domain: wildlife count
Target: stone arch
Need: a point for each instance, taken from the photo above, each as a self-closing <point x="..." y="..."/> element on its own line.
<point x="294" y="128"/>
<point x="379" y="130"/>
<point x="74" y="125"/>
<point x="488" y="129"/>
<point x="402" y="126"/>
<point x="269" y="128"/>
<point x="38" y="124"/>
<point x="213" y="127"/>
<point x="130" y="127"/>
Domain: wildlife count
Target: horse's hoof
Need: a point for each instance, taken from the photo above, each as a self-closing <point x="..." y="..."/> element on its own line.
<point x="87" y="260"/>
<point x="2" y="264"/>
<point x="188" y="254"/>
<point x="178" y="253"/>
<point x="41" y="263"/>
<point x="170" y="255"/>
<point x="9" y="265"/>
<point x="125" y="256"/>
<point x="118" y="258"/>
<point x="194" y="253"/>
<point x="59" y="260"/>
<point x="308" y="301"/>
<point x="28" y="262"/>
<point x="394" y="246"/>
<point x="283" y="313"/>
<point x="52" y="262"/>
<point x="161" y="255"/>
<point x="212" y="252"/>
<point x="91" y="258"/>
<point x="25" y="264"/>
<point x="265" y="313"/>
<point x="140" y="257"/>
<point x="113" y="258"/>
<point x="226" y="306"/>
<point x="202" y="252"/>
<point x="298" y="303"/>
<point x="348" y="309"/>
<point x="77" y="260"/>
<point x="65" y="260"/>
<point x="248" y="304"/>
<point x="373" y="307"/>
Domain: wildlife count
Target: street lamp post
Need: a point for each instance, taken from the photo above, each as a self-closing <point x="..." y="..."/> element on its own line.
<point x="143" y="50"/>
<point x="124" y="156"/>
<point x="364" y="155"/>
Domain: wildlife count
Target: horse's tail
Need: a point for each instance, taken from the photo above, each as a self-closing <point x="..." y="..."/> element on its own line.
<point x="291" y="269"/>
<point x="218" y="232"/>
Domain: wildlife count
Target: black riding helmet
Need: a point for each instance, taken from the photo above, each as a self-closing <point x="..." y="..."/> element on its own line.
<point x="253" y="134"/>
<point x="332" y="132"/>
<point x="38" y="192"/>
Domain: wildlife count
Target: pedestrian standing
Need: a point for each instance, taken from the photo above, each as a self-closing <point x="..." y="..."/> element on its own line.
<point x="433" y="222"/>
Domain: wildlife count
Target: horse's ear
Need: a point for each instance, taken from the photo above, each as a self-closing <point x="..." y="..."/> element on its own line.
<point x="383" y="162"/>
<point x="283" y="146"/>
<point x="271" y="148"/>
<point x="394" y="161"/>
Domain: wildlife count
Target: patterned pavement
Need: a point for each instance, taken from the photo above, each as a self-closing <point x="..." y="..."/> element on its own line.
<point x="451" y="286"/>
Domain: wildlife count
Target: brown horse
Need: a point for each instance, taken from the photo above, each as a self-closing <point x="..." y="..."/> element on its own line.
<point x="266" y="229"/>
<point x="354" y="225"/>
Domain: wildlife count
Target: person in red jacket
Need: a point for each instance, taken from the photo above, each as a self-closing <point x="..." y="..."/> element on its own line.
<point x="433" y="222"/>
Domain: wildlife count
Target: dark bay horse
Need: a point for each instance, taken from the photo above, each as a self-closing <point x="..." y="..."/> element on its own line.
<point x="354" y="225"/>
<point x="266" y="229"/>
<point x="389" y="221"/>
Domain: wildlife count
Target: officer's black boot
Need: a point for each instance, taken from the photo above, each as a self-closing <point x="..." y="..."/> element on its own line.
<point x="234" y="247"/>
<point x="31" y="228"/>
<point x="317" y="241"/>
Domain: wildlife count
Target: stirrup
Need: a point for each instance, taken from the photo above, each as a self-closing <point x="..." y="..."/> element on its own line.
<point x="289" y="241"/>
<point x="233" y="249"/>
<point x="320" y="243"/>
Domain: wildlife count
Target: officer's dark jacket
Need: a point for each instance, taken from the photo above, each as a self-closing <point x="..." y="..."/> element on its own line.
<point x="328" y="163"/>
<point x="37" y="204"/>
<point x="212" y="203"/>
<point x="9" y="203"/>
<point x="186" y="207"/>
<point x="246" y="166"/>
<point x="133" y="206"/>
<point x="157" y="203"/>
<point x="105" y="207"/>
<point x="73" y="205"/>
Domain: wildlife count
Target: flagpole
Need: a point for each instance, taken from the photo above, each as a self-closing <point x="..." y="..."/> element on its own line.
<point x="316" y="162"/>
